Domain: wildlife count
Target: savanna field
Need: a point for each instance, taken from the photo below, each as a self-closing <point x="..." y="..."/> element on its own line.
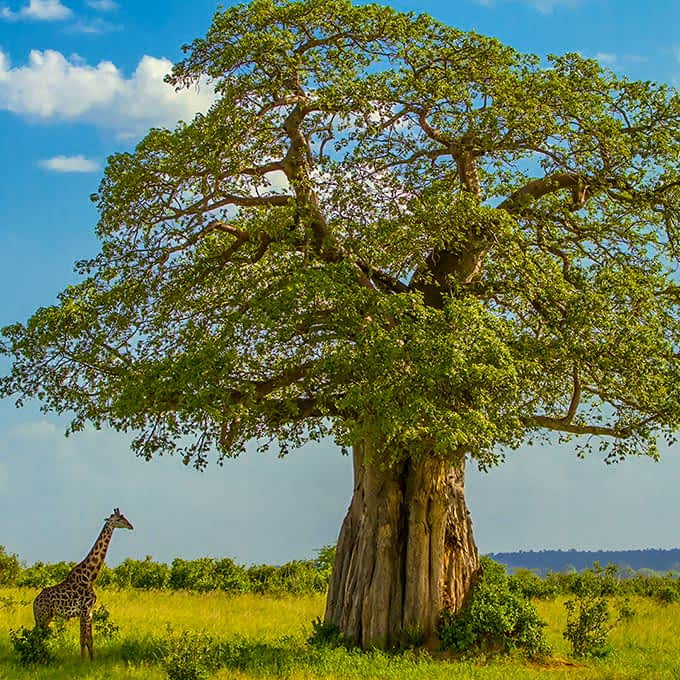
<point x="182" y="634"/>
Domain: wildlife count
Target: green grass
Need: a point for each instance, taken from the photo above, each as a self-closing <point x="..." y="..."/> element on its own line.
<point x="265" y="638"/>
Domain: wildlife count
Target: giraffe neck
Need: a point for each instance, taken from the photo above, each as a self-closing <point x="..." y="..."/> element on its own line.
<point x="92" y="564"/>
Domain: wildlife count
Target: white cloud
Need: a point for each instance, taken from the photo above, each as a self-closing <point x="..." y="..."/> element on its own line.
<point x="543" y="6"/>
<point x="606" y="58"/>
<point x="94" y="26"/>
<point x="39" y="10"/>
<point x="103" y="5"/>
<point x="69" y="164"/>
<point x="52" y="87"/>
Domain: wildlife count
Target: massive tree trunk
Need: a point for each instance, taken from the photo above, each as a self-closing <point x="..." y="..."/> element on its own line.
<point x="405" y="550"/>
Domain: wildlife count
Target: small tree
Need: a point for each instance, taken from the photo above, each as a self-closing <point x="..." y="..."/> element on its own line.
<point x="588" y="623"/>
<point x="403" y="235"/>
<point x="9" y="568"/>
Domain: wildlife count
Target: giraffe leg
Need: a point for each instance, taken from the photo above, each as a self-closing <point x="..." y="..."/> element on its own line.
<point x="86" y="634"/>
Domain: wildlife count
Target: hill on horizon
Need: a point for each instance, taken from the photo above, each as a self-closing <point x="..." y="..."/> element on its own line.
<point x="544" y="561"/>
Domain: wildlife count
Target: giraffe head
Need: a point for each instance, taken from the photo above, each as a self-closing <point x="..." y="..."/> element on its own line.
<point x="117" y="520"/>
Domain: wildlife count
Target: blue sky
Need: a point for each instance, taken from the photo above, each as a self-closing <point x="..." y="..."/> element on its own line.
<point x="81" y="79"/>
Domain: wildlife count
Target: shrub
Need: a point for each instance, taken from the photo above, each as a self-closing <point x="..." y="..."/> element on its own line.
<point x="106" y="577"/>
<point x="101" y="620"/>
<point x="192" y="574"/>
<point x="9" y="568"/>
<point x="40" y="575"/>
<point x="261" y="577"/>
<point x="496" y="620"/>
<point x="300" y="577"/>
<point x="297" y="578"/>
<point x="145" y="574"/>
<point x="597" y="580"/>
<point x="231" y="577"/>
<point x="530" y="585"/>
<point x="31" y="645"/>
<point x="206" y="574"/>
<point x="588" y="624"/>
<point x="667" y="594"/>
<point x="327" y="634"/>
<point x="325" y="559"/>
<point x="191" y="656"/>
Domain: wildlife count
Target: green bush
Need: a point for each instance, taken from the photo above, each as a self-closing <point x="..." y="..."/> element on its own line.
<point x="191" y="574"/>
<point x="597" y="580"/>
<point x="325" y="559"/>
<point x="31" y="645"/>
<point x="41" y="575"/>
<point x="9" y="568"/>
<point x="327" y="634"/>
<point x="190" y="656"/>
<point x="145" y="574"/>
<point x="106" y="577"/>
<point x="101" y="620"/>
<point x="299" y="577"/>
<point x="206" y="574"/>
<point x="496" y="620"/>
<point x="231" y="577"/>
<point x="530" y="585"/>
<point x="261" y="576"/>
<point x="588" y="624"/>
<point x="667" y="594"/>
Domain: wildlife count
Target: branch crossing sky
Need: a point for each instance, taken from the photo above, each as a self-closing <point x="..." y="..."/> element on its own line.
<point x="81" y="79"/>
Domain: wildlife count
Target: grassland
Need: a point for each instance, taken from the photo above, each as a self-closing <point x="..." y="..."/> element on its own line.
<point x="267" y="638"/>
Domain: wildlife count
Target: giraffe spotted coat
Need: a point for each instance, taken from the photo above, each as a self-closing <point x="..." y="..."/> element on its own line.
<point x="75" y="595"/>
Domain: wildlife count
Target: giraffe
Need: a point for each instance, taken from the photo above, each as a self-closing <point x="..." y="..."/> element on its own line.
<point x="75" y="596"/>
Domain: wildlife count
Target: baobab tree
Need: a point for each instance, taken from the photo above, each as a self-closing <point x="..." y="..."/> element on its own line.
<point x="407" y="237"/>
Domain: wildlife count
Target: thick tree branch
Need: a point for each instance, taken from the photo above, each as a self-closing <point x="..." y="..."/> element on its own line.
<point x="432" y="132"/>
<point x="260" y="170"/>
<point x="258" y="389"/>
<point x="575" y="397"/>
<point x="537" y="188"/>
<point x="297" y="166"/>
<point x="562" y="425"/>
<point x="271" y="200"/>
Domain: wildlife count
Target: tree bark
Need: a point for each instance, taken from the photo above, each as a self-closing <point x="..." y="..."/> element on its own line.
<point x="405" y="550"/>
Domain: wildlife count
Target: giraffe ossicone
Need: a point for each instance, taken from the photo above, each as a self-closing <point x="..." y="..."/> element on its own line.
<point x="75" y="595"/>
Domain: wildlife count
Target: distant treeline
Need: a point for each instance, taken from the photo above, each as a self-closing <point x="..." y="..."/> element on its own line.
<point x="203" y="574"/>
<point x="545" y="561"/>
<point x="533" y="579"/>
